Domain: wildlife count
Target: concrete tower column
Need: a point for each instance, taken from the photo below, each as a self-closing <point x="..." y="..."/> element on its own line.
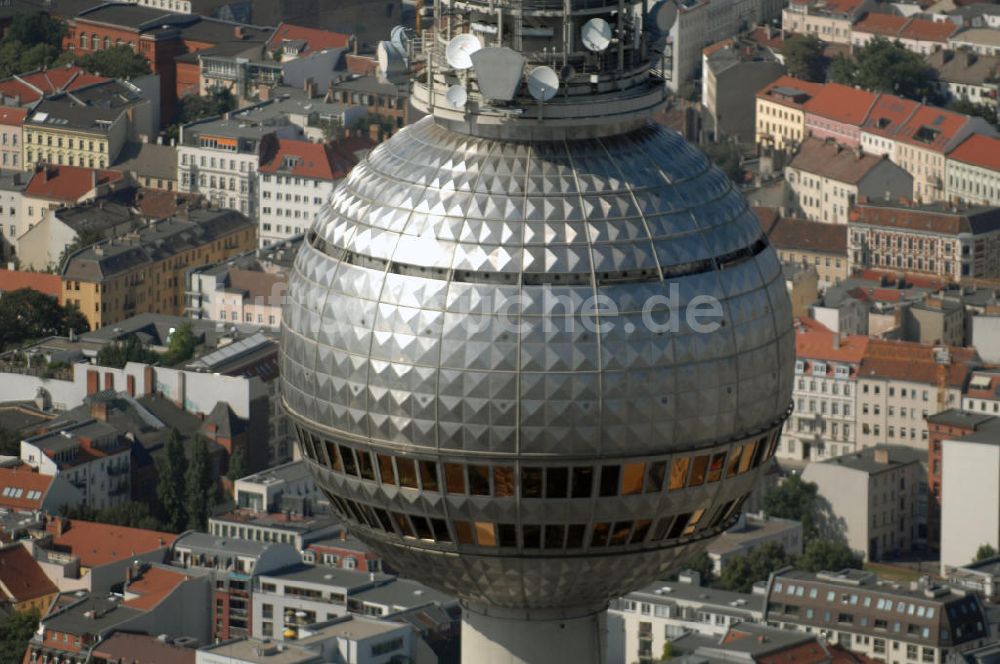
<point x="492" y="635"/>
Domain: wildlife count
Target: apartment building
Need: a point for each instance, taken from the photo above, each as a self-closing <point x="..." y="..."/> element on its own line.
<point x="823" y="246"/>
<point x="780" y="113"/>
<point x="344" y="551"/>
<point x="964" y="74"/>
<point x="836" y="112"/>
<point x="886" y="621"/>
<point x="981" y="40"/>
<point x="90" y="454"/>
<point x="947" y="425"/>
<point x="877" y="496"/>
<point x="11" y="137"/>
<point x="920" y="35"/>
<point x="826" y="377"/>
<point x="87" y="127"/>
<point x="826" y="179"/>
<point x="983" y="393"/>
<point x="297" y="180"/>
<point x="751" y="532"/>
<point x="219" y="157"/>
<point x="26" y="89"/>
<point x="642" y="622"/>
<point x="887" y="116"/>
<point x="951" y="242"/>
<point x="297" y="41"/>
<point x="733" y="70"/>
<point x="901" y="383"/>
<point x="144" y="271"/>
<point x="830" y="20"/>
<point x="972" y="171"/>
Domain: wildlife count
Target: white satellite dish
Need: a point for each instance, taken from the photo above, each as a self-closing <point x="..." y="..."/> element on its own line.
<point x="460" y="48"/>
<point x="399" y="37"/>
<point x="596" y="34"/>
<point x="543" y="83"/>
<point x="666" y="16"/>
<point x="390" y="61"/>
<point x="457" y="96"/>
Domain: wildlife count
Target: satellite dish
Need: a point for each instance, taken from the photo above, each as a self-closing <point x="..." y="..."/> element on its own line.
<point x="543" y="83"/>
<point x="666" y="16"/>
<point x="399" y="37"/>
<point x="390" y="61"/>
<point x="596" y="34"/>
<point x="498" y="71"/>
<point x="567" y="72"/>
<point x="460" y="48"/>
<point x="457" y="96"/>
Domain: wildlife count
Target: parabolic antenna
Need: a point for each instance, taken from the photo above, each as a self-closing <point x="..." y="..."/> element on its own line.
<point x="498" y="71"/>
<point x="596" y="34"/>
<point x="390" y="61"/>
<point x="460" y="48"/>
<point x="543" y="83"/>
<point x="400" y="38"/>
<point x="457" y="96"/>
<point x="665" y="15"/>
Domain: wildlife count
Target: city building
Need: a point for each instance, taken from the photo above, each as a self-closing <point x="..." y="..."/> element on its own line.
<point x="966" y="75"/>
<point x="732" y="72"/>
<point x="901" y="383"/>
<point x="641" y="623"/>
<point x="780" y="113"/>
<point x="970" y="506"/>
<point x="347" y="640"/>
<point x="826" y="393"/>
<point x="826" y="179"/>
<point x="837" y="112"/>
<point x="821" y="245"/>
<point x="24" y="489"/>
<point x="830" y="20"/>
<point x="27" y="89"/>
<point x="947" y="425"/>
<point x="747" y="642"/>
<point x="128" y="648"/>
<point x="287" y="527"/>
<point x="982" y="395"/>
<point x="972" y="171"/>
<point x="887" y="117"/>
<point x="149" y="165"/>
<point x="23" y="584"/>
<point x="11" y="136"/>
<point x="984" y="41"/>
<point x="144" y="271"/>
<point x="375" y="97"/>
<point x="233" y="565"/>
<point x="344" y="551"/>
<point x="981" y="577"/>
<point x="416" y="220"/>
<point x="247" y="288"/>
<point x="12" y="184"/>
<point x="92" y="455"/>
<point x="292" y="42"/>
<point x="751" y="532"/>
<point x="289" y="486"/>
<point x="297" y="180"/>
<point x="951" y="242"/>
<point x="920" y="35"/>
<point x="888" y="622"/>
<point x="877" y="497"/>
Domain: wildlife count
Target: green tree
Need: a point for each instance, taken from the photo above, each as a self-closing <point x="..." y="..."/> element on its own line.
<point x="794" y="499"/>
<point x="237" y="464"/>
<point x="130" y="515"/>
<point x="181" y="345"/>
<point x="985" y="111"/>
<point x="171" y="484"/>
<point x="119" y="353"/>
<point x="823" y="554"/>
<point x="842" y="70"/>
<point x="199" y="485"/>
<point x="116" y="62"/>
<point x="668" y="651"/>
<point x="885" y="66"/>
<point x="15" y="632"/>
<point x="741" y="573"/>
<point x="10" y="443"/>
<point x="33" y="41"/>
<point x="804" y="57"/>
<point x="726" y="155"/>
<point x="85" y="238"/>
<point x="704" y="566"/>
<point x="30" y="314"/>
<point x="983" y="552"/>
<point x="192" y="108"/>
<point x="35" y="28"/>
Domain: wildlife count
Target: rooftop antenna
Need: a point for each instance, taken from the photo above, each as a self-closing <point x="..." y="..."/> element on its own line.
<point x="596" y="35"/>
<point x="460" y="49"/>
<point x="543" y="83"/>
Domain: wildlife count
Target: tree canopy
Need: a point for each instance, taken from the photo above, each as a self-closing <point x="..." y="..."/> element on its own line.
<point x="199" y="485"/>
<point x="130" y="515"/>
<point x="804" y="57"/>
<point x="794" y="499"/>
<point x="181" y="345"/>
<point x="821" y="554"/>
<point x="237" y="464"/>
<point x="885" y="66"/>
<point x="171" y="469"/>
<point x="726" y="156"/>
<point x="983" y="552"/>
<point x="739" y="574"/>
<point x="191" y="108"/>
<point x="985" y="111"/>
<point x="15" y="631"/>
<point x="116" y="62"/>
<point x="119" y="353"/>
<point x="29" y="314"/>
<point x="33" y="41"/>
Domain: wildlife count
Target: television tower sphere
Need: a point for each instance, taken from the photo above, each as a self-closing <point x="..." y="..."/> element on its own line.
<point x="536" y="349"/>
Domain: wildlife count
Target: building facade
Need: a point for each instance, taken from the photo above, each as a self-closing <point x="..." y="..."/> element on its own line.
<point x="972" y="171"/>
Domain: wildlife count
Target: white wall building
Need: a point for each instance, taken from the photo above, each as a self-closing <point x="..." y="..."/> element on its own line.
<point x="970" y="496"/>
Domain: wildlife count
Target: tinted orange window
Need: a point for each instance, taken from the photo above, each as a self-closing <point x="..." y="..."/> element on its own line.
<point x="734" y="461"/>
<point x="679" y="473"/>
<point x="463" y="529"/>
<point x="503" y="481"/>
<point x="407" y="472"/>
<point x="454" y="476"/>
<point x="715" y="470"/>
<point x="698" y="472"/>
<point x="386" y="470"/>
<point x="747" y="458"/>
<point x="693" y="522"/>
<point x="486" y="534"/>
<point x="632" y="477"/>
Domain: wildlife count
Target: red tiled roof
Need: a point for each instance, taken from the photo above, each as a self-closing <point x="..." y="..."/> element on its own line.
<point x="814" y="341"/>
<point x="991" y="391"/>
<point x="154" y="584"/>
<point x="22" y="576"/>
<point x="316" y="39"/>
<point x="922" y="29"/>
<point x="330" y="161"/>
<point x="125" y="648"/>
<point x="932" y="219"/>
<point x="842" y="6"/>
<point x="100" y="543"/>
<point x="12" y="280"/>
<point x="915" y="362"/>
<point x="831" y="160"/>
<point x="978" y="150"/>
<point x="841" y="103"/>
<point x="803" y="235"/>
<point x="67" y="183"/>
<point x="812" y="652"/>
<point x="932" y="128"/>
<point x="889" y="114"/>
<point x="29" y="88"/>
<point x="887" y="25"/>
<point x="807" y="89"/>
<point x="916" y="280"/>
<point x="362" y="65"/>
<point x="12" y="117"/>
<point x="23" y="482"/>
<point x="717" y="46"/>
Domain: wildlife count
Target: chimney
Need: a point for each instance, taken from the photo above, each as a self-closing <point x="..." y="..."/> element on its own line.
<point x="93" y="179"/>
<point x="373" y="132"/>
<point x="238" y="32"/>
<point x="99" y="410"/>
<point x="836" y="340"/>
<point x="343" y="535"/>
<point x="265" y="93"/>
<point x="881" y="456"/>
<point x="309" y="87"/>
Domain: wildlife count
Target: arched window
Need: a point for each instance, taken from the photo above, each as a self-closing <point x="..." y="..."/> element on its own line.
<point x="119" y="42"/>
<point x="95" y="42"/>
<point x="107" y="43"/>
<point x="84" y="41"/>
